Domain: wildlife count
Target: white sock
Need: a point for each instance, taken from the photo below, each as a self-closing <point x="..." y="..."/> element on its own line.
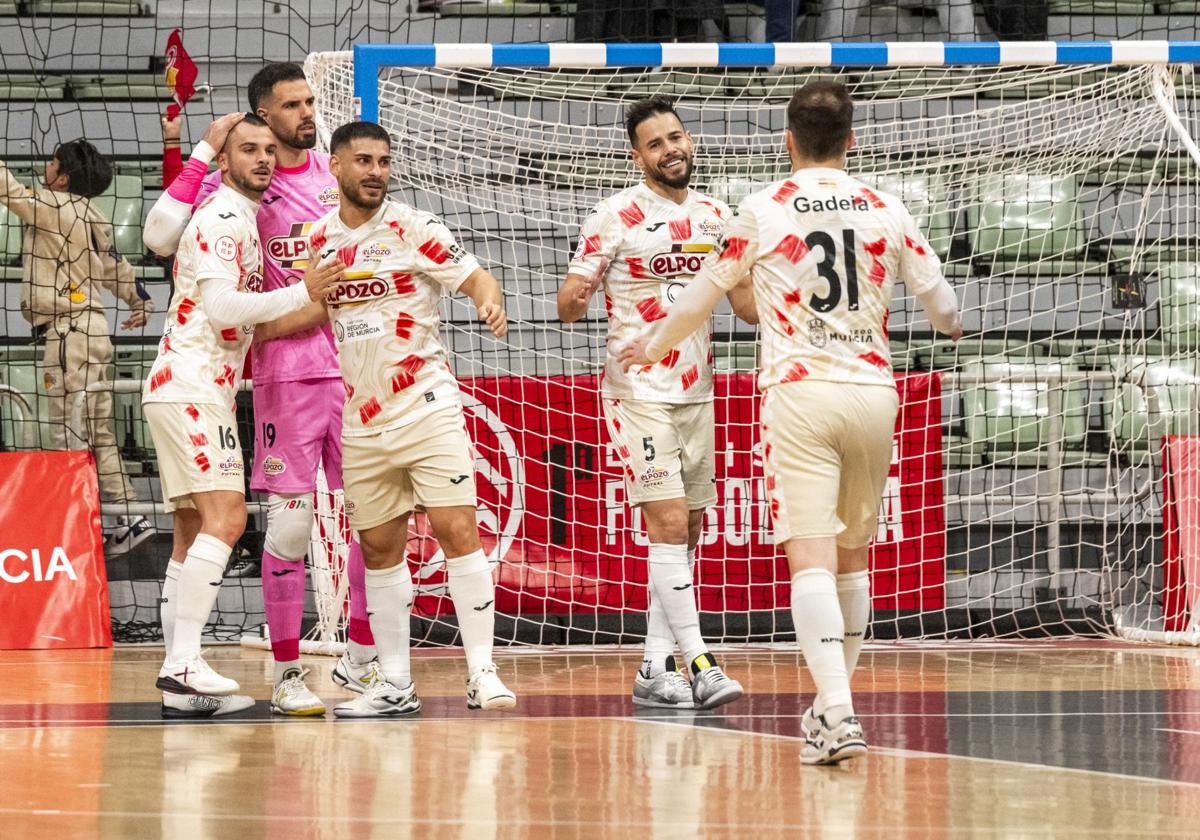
<point x="199" y="585"/>
<point x="361" y="654"/>
<point x="660" y="643"/>
<point x="854" y="596"/>
<point x="473" y="594"/>
<point x="167" y="603"/>
<point x="284" y="669"/>
<point x="820" y="631"/>
<point x="671" y="585"/>
<point x="389" y="604"/>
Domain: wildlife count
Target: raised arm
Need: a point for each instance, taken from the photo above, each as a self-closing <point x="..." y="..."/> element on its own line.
<point x="16" y="196"/>
<point x="170" y="214"/>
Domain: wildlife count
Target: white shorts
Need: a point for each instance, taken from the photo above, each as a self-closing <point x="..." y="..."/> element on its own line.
<point x="197" y="448"/>
<point x="827" y="448"/>
<point x="425" y="464"/>
<point x="667" y="450"/>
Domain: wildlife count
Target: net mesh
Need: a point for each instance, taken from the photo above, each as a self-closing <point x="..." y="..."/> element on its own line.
<point x="1023" y="495"/>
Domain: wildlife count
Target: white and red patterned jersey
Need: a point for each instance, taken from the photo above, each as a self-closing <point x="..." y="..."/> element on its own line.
<point x="655" y="247"/>
<point x="197" y="362"/>
<point x="823" y="250"/>
<point x="385" y="314"/>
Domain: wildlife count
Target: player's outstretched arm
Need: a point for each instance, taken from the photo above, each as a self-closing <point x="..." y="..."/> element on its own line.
<point x="313" y="315"/>
<point x="941" y="308"/>
<point x="171" y="213"/>
<point x="576" y="292"/>
<point x="482" y="288"/>
<point x="689" y="312"/>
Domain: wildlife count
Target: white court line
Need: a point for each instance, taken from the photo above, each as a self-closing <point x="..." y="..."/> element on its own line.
<point x="902" y="753"/>
<point x="1179" y="731"/>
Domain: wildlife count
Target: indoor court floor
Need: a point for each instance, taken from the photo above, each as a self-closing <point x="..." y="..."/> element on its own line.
<point x="1021" y="739"/>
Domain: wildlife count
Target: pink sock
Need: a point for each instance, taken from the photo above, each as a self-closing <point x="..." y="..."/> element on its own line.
<point x="283" y="601"/>
<point x="359" y="630"/>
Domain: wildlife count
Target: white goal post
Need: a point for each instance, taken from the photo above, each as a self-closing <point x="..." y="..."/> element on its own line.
<point x="1060" y="184"/>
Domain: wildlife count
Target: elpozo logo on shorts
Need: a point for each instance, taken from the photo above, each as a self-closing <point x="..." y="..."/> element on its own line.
<point x="273" y="466"/>
<point x="358" y="287"/>
<point x="230" y="466"/>
<point x="654" y="476"/>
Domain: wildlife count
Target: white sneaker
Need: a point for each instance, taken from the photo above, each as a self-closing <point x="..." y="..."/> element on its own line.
<point x="712" y="688"/>
<point x="831" y="744"/>
<point x="668" y="690"/>
<point x="292" y="697"/>
<point x="485" y="690"/>
<point x="381" y="699"/>
<point x="354" y="677"/>
<point x="203" y="705"/>
<point x="129" y="533"/>
<point x="194" y="676"/>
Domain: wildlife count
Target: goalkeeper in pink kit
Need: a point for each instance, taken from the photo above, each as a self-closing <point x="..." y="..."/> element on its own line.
<point x="298" y="392"/>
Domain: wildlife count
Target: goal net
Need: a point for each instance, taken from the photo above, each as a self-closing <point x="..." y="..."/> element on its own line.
<point x="1026" y="490"/>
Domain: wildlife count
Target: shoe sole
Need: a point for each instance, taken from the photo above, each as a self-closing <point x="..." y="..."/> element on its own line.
<point x="390" y="713"/>
<point x="854" y="749"/>
<point x="313" y="712"/>
<point x="647" y="703"/>
<point x="174" y="686"/>
<point x="494" y="704"/>
<point x="726" y="695"/>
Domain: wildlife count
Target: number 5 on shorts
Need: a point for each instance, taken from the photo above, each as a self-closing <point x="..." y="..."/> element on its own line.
<point x="648" y="447"/>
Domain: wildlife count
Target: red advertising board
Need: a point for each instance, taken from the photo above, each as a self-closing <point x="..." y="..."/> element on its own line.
<point x="53" y="586"/>
<point x="1181" y="530"/>
<point x="553" y="504"/>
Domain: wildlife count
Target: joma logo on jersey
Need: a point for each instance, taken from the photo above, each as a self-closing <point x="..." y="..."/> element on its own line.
<point x="683" y="260"/>
<point x="358" y="289"/>
<point x="291" y="251"/>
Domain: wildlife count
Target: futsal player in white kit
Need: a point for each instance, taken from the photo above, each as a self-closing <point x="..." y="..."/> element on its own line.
<point x="821" y="251"/>
<point x="644" y="245"/>
<point x="404" y="439"/>
<point x="189" y="404"/>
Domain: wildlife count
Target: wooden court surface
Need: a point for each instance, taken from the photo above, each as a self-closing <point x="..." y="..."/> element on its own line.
<point x="1062" y="739"/>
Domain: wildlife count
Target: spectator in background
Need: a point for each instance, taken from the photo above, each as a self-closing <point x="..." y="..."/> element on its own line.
<point x="839" y="18"/>
<point x="69" y="257"/>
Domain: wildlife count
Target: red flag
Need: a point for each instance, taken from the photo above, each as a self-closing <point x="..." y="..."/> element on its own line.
<point x="181" y="73"/>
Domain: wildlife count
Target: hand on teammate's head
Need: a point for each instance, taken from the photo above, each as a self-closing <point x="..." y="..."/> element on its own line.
<point x="320" y="279"/>
<point x="218" y="131"/>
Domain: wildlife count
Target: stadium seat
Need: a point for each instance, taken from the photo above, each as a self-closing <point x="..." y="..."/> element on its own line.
<point x="489" y="8"/>
<point x="1179" y="306"/>
<point x="1101" y="7"/>
<point x="10" y="238"/>
<point x="1175" y="386"/>
<point x="1003" y="417"/>
<point x="1026" y="216"/>
<point x="927" y="198"/>
<point x="89" y="8"/>
<point x="26" y="86"/>
<point x="122" y="203"/>
<point x="119" y="86"/>
<point x="944" y="354"/>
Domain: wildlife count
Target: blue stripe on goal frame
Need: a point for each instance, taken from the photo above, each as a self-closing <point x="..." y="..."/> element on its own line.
<point x="369" y="58"/>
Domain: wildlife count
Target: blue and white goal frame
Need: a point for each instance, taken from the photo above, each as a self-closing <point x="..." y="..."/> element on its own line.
<point x="370" y="58"/>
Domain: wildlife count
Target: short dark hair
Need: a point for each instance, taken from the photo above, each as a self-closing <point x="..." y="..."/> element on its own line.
<point x="248" y="118"/>
<point x="263" y="82"/>
<point x="358" y="131"/>
<point x="644" y="109"/>
<point x="820" y="116"/>
<point x="88" y="172"/>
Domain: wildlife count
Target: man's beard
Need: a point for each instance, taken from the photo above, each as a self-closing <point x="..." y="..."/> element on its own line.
<point x="676" y="183"/>
<point x="355" y="197"/>
<point x="297" y="142"/>
<point x="246" y="185"/>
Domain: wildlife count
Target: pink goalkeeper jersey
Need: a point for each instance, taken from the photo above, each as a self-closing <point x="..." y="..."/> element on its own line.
<point x="297" y="197"/>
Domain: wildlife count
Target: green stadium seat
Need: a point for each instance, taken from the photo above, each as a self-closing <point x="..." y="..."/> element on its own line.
<point x="944" y="354"/>
<point x="1002" y="417"/>
<point x="10" y="237"/>
<point x="1179" y="305"/>
<point x="122" y="203"/>
<point x="1026" y="216"/>
<point x="1175" y="386"/>
<point x="30" y="86"/>
<point x="926" y="196"/>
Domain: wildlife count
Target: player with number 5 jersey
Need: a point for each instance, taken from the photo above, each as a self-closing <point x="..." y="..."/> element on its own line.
<point x="821" y="251"/>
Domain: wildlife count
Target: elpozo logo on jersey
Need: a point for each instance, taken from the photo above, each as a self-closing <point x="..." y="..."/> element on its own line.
<point x="291" y="251"/>
<point x="374" y="253"/>
<point x="358" y="287"/>
<point x="683" y="260"/>
<point x="329" y="196"/>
